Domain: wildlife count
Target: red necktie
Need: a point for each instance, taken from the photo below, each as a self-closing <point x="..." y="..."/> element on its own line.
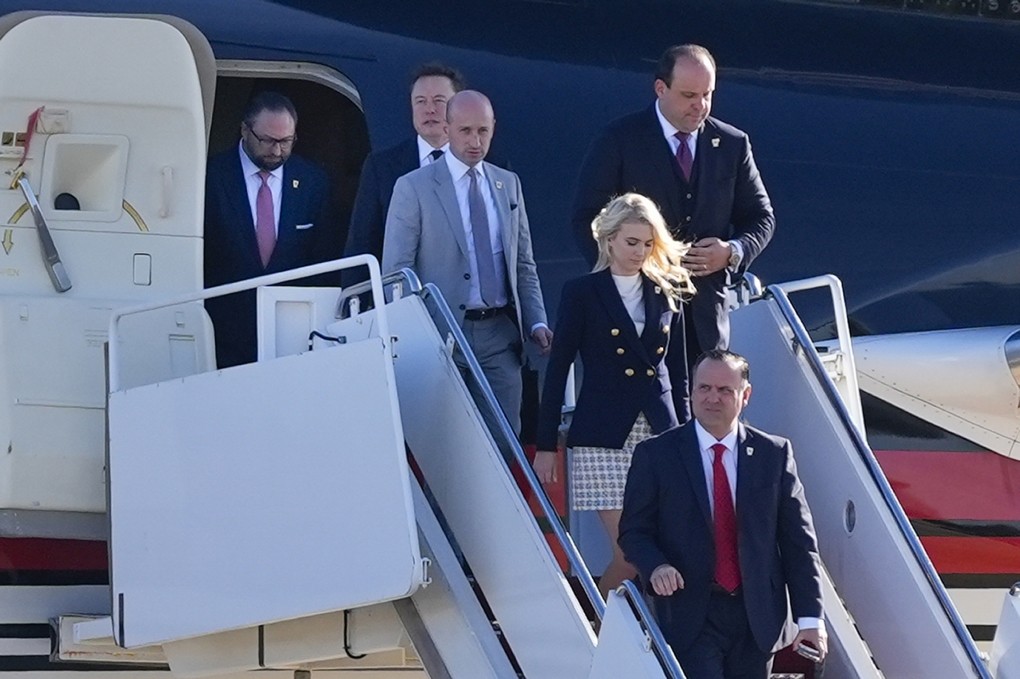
<point x="727" y="563"/>
<point x="265" y="224"/>
<point x="684" y="159"/>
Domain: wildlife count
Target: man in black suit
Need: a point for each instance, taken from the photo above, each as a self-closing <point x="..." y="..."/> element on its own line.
<point x="699" y="171"/>
<point x="265" y="212"/>
<point x="432" y="85"/>
<point x="721" y="561"/>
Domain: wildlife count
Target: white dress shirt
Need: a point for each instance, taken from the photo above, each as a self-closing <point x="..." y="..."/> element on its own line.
<point x="632" y="293"/>
<point x="253" y="182"/>
<point x="461" y="185"/>
<point x="669" y="132"/>
<point x="425" y="150"/>
<point x="729" y="461"/>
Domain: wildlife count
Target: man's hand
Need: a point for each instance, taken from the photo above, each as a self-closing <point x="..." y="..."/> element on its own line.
<point x="707" y="256"/>
<point x="545" y="466"/>
<point x="543" y="337"/>
<point x="816" y="638"/>
<point x="666" y="580"/>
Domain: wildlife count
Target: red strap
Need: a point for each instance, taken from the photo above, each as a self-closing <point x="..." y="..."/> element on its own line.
<point x="32" y="120"/>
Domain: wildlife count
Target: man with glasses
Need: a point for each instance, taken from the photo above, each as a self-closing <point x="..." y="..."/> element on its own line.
<point x="265" y="212"/>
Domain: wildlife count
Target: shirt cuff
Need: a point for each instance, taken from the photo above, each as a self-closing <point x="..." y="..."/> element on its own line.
<point x="735" y="244"/>
<point x="811" y="623"/>
<point x="537" y="326"/>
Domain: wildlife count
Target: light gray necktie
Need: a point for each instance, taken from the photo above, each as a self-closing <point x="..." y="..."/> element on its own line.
<point x="487" y="283"/>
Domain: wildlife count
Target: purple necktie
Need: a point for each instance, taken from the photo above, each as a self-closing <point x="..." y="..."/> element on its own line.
<point x="265" y="224"/>
<point x="684" y="159"/>
<point x="727" y="561"/>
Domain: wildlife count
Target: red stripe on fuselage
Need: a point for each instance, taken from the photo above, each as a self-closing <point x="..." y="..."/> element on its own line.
<point x="973" y="554"/>
<point x="39" y="554"/>
<point x="938" y="485"/>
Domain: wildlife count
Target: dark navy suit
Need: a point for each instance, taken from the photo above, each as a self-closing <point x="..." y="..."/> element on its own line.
<point x="231" y="251"/>
<point x="725" y="198"/>
<point x="624" y="374"/>
<point x="667" y="520"/>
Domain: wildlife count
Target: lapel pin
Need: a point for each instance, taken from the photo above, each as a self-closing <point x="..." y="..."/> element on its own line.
<point x="715" y="142"/>
<point x="750" y="451"/>
<point x="295" y="183"/>
<point x="658" y="290"/>
<point x="499" y="184"/>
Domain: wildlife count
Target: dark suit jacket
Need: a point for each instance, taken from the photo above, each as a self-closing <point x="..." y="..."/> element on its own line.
<point x="231" y="251"/>
<point x="730" y="202"/>
<point x="666" y="520"/>
<point x="594" y="323"/>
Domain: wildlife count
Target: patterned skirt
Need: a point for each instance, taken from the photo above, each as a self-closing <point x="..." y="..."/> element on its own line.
<point x="599" y="475"/>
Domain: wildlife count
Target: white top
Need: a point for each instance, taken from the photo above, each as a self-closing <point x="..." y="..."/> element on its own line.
<point x="630" y="291"/>
<point x="253" y="182"/>
<point x="729" y="461"/>
<point x="462" y="184"/>
<point x="425" y="150"/>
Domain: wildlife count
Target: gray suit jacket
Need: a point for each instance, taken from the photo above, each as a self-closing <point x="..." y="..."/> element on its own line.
<point x="425" y="233"/>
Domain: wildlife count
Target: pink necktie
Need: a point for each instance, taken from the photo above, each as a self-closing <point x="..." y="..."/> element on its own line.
<point x="684" y="159"/>
<point x="727" y="562"/>
<point x="265" y="224"/>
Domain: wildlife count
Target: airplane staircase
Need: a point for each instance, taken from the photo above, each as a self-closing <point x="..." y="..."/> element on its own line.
<point x="892" y="594"/>
<point x="267" y="517"/>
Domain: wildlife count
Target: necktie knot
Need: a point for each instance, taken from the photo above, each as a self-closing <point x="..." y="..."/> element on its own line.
<point x="682" y="136"/>
<point x="436" y="154"/>
<point x="264" y="176"/>
<point x="718" y="449"/>
<point x="684" y="158"/>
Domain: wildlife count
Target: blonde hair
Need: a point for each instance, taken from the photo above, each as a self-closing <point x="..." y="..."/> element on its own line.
<point x="663" y="265"/>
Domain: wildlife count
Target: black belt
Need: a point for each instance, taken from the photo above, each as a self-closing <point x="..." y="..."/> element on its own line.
<point x="716" y="588"/>
<point x="485" y="314"/>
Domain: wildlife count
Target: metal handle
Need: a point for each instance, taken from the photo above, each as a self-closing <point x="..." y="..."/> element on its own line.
<point x="51" y="258"/>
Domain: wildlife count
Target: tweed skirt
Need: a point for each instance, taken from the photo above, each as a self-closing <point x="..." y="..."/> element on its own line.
<point x="599" y="475"/>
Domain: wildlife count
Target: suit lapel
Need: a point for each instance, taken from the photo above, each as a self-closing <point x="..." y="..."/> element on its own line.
<point x="237" y="195"/>
<point x="745" y="470"/>
<point x="690" y="453"/>
<point x="609" y="295"/>
<point x="655" y="307"/>
<point x="707" y="163"/>
<point x="289" y="197"/>
<point x="663" y="168"/>
<point x="447" y="195"/>
<point x="497" y="187"/>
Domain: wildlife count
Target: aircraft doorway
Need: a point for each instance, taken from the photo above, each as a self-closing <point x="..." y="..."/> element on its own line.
<point x="331" y="125"/>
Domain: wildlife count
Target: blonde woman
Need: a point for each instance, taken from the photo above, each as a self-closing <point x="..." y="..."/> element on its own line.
<point x="625" y="321"/>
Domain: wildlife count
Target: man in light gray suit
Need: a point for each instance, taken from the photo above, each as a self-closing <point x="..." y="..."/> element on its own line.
<point x="460" y="223"/>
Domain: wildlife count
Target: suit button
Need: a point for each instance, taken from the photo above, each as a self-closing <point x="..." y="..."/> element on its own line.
<point x="619" y="350"/>
<point x="660" y="351"/>
<point x="629" y="372"/>
<point x="687" y="218"/>
<point x="665" y="329"/>
<point x="614" y="332"/>
<point x="689" y="196"/>
<point x="467" y="276"/>
<point x="462" y="307"/>
<point x="650" y="372"/>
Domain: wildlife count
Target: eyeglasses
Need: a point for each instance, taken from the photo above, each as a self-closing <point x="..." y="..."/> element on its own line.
<point x="270" y="142"/>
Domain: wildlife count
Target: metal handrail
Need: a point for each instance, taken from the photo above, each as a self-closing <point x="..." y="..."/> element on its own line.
<point x="413" y="287"/>
<point x="375" y="280"/>
<point x="507" y="441"/>
<point x="663" y="651"/>
<point x="871" y="463"/>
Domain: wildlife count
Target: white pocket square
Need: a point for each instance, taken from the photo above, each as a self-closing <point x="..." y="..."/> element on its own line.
<point x="302" y="227"/>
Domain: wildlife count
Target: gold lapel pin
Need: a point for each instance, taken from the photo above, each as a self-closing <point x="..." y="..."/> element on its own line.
<point x="295" y="183"/>
<point x="715" y="142"/>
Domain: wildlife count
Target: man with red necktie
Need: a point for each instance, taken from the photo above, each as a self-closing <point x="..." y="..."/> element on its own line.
<point x="265" y="212"/>
<point x="715" y="520"/>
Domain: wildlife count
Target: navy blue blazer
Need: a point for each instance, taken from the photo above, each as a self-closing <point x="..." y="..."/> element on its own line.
<point x="623" y="374"/>
<point x="729" y="200"/>
<point x="231" y="250"/>
<point x="667" y="520"/>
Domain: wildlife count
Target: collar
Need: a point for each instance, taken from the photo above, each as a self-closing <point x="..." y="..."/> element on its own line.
<point x="249" y="168"/>
<point x="459" y="169"/>
<point x="668" y="131"/>
<point x="707" y="440"/>
<point x="425" y="148"/>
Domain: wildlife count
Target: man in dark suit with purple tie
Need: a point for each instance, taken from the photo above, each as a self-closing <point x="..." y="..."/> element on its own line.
<point x="715" y="520"/>
<point x="701" y="174"/>
<point x="265" y="212"/>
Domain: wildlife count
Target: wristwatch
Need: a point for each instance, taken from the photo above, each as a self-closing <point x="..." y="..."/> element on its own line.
<point x="734" y="260"/>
